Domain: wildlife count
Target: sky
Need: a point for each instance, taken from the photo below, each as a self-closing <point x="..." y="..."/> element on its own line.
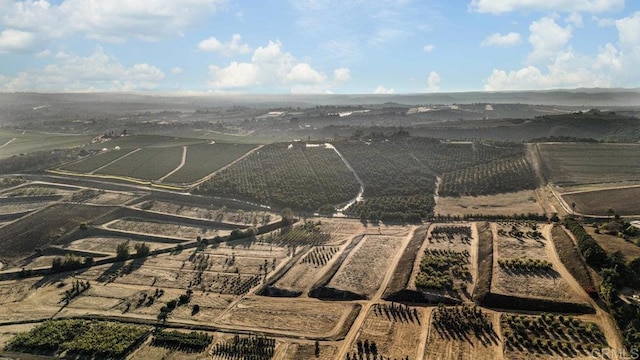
<point x="317" y="46"/>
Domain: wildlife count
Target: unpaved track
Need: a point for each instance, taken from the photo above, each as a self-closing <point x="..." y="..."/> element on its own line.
<point x="182" y="162"/>
<point x="111" y="162"/>
<point x="194" y="185"/>
<point x="7" y="143"/>
<point x="357" y="324"/>
<point x="608" y="327"/>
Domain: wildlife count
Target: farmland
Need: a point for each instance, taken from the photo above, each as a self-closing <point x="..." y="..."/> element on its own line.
<point x="287" y="175"/>
<point x="624" y="201"/>
<point x="581" y="163"/>
<point x="353" y="243"/>
<point x="158" y="158"/>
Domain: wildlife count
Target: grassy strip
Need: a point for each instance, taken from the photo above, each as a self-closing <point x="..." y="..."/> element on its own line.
<point x="485" y="263"/>
<point x="572" y="260"/>
<point x="402" y="275"/>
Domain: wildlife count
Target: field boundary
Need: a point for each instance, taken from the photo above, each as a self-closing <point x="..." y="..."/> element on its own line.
<point x="120" y="178"/>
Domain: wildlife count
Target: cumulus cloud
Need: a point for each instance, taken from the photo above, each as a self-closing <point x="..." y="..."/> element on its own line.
<point x="429" y="48"/>
<point x="547" y="38"/>
<point x="176" y="71"/>
<point x="342" y="74"/>
<point x="234" y="46"/>
<point x="383" y="90"/>
<point x="433" y="82"/>
<point x="16" y="41"/>
<point x="497" y="39"/>
<point x="275" y="69"/>
<point x="96" y="72"/>
<point x="566" y="6"/>
<point x="113" y="20"/>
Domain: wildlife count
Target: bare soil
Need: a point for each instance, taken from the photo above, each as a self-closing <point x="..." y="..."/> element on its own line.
<point x="547" y="284"/>
<point x="165" y="229"/>
<point x="439" y="347"/>
<point x="109" y="244"/>
<point x="302" y="316"/>
<point x="363" y="270"/>
<point x="500" y="204"/>
<point x="296" y="351"/>
<point x="302" y="276"/>
<point x="394" y="335"/>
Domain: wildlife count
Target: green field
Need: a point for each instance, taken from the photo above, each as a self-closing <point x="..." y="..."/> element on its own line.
<point x="150" y="157"/>
<point x="203" y="159"/>
<point x="287" y="175"/>
<point x="94" y="162"/>
<point x="582" y="163"/>
<point x="146" y="164"/>
<point x="32" y="142"/>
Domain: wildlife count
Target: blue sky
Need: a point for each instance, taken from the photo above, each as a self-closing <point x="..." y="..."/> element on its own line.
<point x="317" y="46"/>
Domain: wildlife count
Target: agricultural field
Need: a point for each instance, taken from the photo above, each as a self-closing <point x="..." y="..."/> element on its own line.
<point x="44" y="228"/>
<point x="445" y="268"/>
<point x="588" y="163"/>
<point x="109" y="244"/>
<point x="624" y="201"/>
<point x="138" y="157"/>
<point x="378" y="253"/>
<point x="391" y="331"/>
<point x="523" y="265"/>
<point x="19" y="142"/>
<point x="146" y="164"/>
<point x="521" y="202"/>
<point x="299" y="279"/>
<point x="463" y="332"/>
<point x="159" y="228"/>
<point x="499" y="176"/>
<point x="550" y="337"/>
<point x="204" y="159"/>
<point x="287" y="175"/>
<point x="309" y="316"/>
<point x="217" y="213"/>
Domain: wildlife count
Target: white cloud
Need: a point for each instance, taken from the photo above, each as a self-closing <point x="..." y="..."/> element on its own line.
<point x="604" y="22"/>
<point x="497" y="39"/>
<point x="234" y="46"/>
<point x="383" y="90"/>
<point x="113" y="20"/>
<point x="16" y="41"/>
<point x="547" y="38"/>
<point x="433" y="82"/>
<point x="176" y="71"/>
<point x="429" y="48"/>
<point x="566" y="6"/>
<point x="303" y="73"/>
<point x="342" y="74"/>
<point x="574" y="19"/>
<point x="96" y="72"/>
<point x="272" y="68"/>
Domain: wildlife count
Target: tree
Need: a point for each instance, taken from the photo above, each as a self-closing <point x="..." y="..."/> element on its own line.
<point x="122" y="250"/>
<point x="317" y="350"/>
<point x="287" y="216"/>
<point x="611" y="212"/>
<point x="142" y="249"/>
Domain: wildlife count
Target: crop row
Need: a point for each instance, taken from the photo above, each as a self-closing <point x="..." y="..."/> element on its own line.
<point x="101" y="339"/>
<point x="287" y="176"/>
<point x="504" y="175"/>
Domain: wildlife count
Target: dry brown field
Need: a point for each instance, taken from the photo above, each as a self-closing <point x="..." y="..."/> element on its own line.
<point x="165" y="229"/>
<point x="501" y="204"/>
<point x="624" y="201"/>
<point x="218" y="214"/>
<point x="442" y="346"/>
<point x="109" y="244"/>
<point x="457" y="243"/>
<point x="308" y="269"/>
<point x="611" y="244"/>
<point x="396" y="332"/>
<point x="307" y="317"/>
<point x="111" y="198"/>
<point x="543" y="284"/>
<point x="365" y="267"/>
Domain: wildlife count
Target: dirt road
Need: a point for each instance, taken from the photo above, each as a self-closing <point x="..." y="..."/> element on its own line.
<point x="357" y="324"/>
<point x="182" y="162"/>
<point x="606" y="322"/>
